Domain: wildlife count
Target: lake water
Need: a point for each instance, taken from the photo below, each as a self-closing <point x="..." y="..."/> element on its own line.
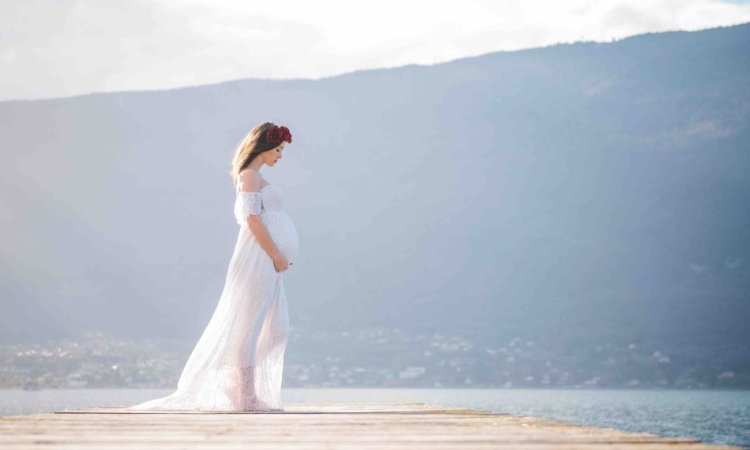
<point x="713" y="416"/>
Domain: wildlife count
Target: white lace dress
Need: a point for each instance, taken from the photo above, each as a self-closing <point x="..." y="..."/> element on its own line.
<point x="238" y="361"/>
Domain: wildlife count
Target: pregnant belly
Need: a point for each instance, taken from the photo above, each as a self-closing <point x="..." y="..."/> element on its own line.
<point x="284" y="233"/>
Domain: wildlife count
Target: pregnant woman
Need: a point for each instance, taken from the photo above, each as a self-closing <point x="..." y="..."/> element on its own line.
<point x="238" y="361"/>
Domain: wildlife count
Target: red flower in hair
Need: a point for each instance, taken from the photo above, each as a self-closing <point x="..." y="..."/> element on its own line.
<point x="276" y="135"/>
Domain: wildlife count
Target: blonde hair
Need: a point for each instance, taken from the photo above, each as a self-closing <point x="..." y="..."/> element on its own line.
<point x="250" y="147"/>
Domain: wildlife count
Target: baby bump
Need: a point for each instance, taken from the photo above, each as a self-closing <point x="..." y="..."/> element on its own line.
<point x="284" y="233"/>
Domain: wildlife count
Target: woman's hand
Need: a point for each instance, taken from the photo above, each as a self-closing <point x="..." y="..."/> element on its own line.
<point x="280" y="263"/>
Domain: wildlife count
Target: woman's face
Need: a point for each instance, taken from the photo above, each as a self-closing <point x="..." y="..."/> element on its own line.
<point x="274" y="155"/>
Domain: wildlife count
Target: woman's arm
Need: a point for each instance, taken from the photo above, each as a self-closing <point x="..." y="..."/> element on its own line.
<point x="251" y="183"/>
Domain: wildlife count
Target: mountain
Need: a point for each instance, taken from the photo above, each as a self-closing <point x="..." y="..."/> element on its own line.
<point x="570" y="194"/>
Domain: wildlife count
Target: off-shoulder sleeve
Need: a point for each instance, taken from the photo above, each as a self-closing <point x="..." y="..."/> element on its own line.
<point x="252" y="203"/>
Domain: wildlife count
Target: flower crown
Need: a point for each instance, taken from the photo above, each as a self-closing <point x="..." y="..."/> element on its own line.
<point x="275" y="135"/>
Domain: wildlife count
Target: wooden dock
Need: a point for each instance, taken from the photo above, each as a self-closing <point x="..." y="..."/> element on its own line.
<point x="311" y="426"/>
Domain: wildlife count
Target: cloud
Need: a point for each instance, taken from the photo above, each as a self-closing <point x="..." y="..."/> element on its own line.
<point x="58" y="48"/>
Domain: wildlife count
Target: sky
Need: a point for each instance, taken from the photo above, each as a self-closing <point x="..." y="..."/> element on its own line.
<point x="60" y="48"/>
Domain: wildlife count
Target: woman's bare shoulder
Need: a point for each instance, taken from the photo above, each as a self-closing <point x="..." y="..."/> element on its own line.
<point x="249" y="180"/>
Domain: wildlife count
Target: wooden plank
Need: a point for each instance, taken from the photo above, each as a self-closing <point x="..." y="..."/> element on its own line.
<point x="319" y="426"/>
